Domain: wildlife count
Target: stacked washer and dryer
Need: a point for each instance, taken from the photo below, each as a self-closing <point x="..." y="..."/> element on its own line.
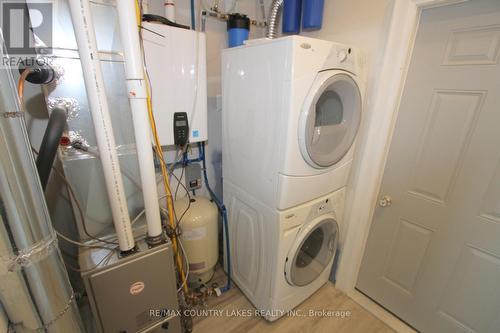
<point x="291" y="111"/>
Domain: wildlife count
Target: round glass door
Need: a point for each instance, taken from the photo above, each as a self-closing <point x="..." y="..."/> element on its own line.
<point x="313" y="254"/>
<point x="330" y="119"/>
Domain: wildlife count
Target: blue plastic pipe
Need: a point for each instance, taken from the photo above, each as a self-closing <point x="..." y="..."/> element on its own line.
<point x="223" y="212"/>
<point x="193" y="27"/>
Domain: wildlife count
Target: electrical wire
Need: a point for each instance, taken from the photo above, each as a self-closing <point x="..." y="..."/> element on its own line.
<point x="78" y="146"/>
<point x="186" y="260"/>
<point x="179" y="182"/>
<point x="179" y="153"/>
<point x="103" y="260"/>
<point x="20" y="85"/>
<point x="159" y="153"/>
<point x="71" y="192"/>
<point x="80" y="244"/>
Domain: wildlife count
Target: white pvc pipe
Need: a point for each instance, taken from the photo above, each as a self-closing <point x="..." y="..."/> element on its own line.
<point x="96" y="94"/>
<point x="145" y="6"/>
<point x="170" y="10"/>
<point x="136" y="86"/>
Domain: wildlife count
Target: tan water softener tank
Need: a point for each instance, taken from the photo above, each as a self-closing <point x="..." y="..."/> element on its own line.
<point x="199" y="229"/>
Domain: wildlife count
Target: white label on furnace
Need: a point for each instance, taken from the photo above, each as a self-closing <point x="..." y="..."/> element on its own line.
<point x="195" y="233"/>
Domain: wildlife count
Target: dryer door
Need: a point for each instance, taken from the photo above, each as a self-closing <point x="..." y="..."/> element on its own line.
<point x="330" y="118"/>
<point x="312" y="252"/>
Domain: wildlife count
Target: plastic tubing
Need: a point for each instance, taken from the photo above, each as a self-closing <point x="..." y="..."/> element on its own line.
<point x="223" y="212"/>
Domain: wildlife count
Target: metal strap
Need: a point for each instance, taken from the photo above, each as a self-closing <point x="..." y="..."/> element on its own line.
<point x="12" y="114"/>
<point x="33" y="254"/>
<point x="59" y="315"/>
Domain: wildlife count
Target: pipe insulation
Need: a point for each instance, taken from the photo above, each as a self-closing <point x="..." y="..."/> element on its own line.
<point x="273" y="19"/>
<point x="50" y="143"/>
<point x="137" y="93"/>
<point x="34" y="287"/>
<point x="99" y="109"/>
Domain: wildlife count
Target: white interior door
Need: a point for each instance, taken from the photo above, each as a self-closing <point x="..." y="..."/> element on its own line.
<point x="433" y="255"/>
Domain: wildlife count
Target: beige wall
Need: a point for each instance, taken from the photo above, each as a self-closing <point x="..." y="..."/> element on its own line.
<point x="364" y="24"/>
<point x="358" y="22"/>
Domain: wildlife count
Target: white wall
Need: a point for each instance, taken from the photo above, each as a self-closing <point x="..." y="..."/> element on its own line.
<point x="358" y="22"/>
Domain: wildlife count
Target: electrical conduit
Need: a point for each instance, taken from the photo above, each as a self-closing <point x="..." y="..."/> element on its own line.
<point x="273" y="19"/>
<point x="137" y="94"/>
<point x="94" y="84"/>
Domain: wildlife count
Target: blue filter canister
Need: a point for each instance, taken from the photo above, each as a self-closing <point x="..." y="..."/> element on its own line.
<point x="312" y="17"/>
<point x="238" y="27"/>
<point x="292" y="13"/>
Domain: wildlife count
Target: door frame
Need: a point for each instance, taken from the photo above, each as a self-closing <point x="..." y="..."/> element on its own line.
<point x="375" y="139"/>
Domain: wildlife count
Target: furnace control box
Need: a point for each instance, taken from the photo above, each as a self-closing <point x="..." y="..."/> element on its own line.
<point x="132" y="294"/>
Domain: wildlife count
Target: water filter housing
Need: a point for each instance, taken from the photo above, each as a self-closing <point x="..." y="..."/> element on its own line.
<point x="238" y="28"/>
<point x="176" y="64"/>
<point x="292" y="13"/>
<point x="312" y="17"/>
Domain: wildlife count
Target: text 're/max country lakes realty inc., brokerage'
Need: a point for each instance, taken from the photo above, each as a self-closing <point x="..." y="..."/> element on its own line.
<point x="250" y="313"/>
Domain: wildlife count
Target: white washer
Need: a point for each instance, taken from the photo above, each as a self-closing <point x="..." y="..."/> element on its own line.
<point x="280" y="258"/>
<point x="291" y="112"/>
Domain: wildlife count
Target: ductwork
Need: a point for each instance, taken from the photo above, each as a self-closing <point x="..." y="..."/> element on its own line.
<point x="273" y="19"/>
<point x="34" y="287"/>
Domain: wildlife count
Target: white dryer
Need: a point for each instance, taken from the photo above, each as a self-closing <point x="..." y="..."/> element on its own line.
<point x="280" y="258"/>
<point x="291" y="111"/>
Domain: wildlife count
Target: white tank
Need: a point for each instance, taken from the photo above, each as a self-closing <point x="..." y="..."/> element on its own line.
<point x="199" y="236"/>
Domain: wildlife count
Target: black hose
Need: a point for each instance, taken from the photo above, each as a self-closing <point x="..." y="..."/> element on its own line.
<point x="50" y="143"/>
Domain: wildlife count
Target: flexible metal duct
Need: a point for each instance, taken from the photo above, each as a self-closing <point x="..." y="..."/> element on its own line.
<point x="34" y="287"/>
<point x="274" y="17"/>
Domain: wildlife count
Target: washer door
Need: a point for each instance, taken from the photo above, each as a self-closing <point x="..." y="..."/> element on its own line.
<point x="330" y="118"/>
<point x="312" y="252"/>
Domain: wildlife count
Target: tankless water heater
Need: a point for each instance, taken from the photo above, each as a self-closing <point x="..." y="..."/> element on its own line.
<point x="176" y="66"/>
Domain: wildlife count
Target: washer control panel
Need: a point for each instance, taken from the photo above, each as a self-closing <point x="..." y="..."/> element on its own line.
<point x="325" y="206"/>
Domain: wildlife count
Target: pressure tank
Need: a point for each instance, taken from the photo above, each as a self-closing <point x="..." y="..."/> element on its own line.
<point x="199" y="236"/>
